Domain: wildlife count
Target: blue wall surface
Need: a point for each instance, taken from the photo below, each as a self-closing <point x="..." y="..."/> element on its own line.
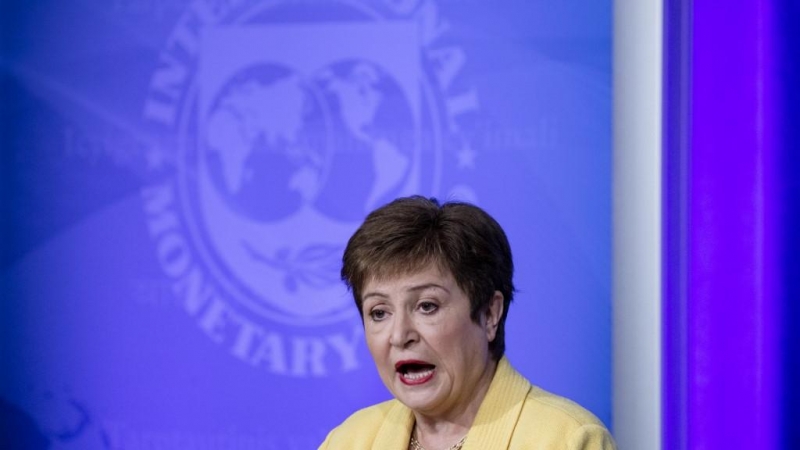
<point x="179" y="179"/>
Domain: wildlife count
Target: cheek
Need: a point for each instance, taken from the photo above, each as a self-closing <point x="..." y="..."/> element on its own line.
<point x="468" y="340"/>
<point x="376" y="346"/>
<point x="456" y="340"/>
<point x="372" y="343"/>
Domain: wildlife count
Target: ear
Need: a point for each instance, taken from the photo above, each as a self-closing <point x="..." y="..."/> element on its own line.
<point x="493" y="313"/>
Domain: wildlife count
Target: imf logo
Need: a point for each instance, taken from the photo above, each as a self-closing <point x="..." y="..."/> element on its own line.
<point x="281" y="127"/>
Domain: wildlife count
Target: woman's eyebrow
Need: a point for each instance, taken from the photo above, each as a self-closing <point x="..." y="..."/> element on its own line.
<point x="426" y="286"/>
<point x="412" y="289"/>
<point x="369" y="295"/>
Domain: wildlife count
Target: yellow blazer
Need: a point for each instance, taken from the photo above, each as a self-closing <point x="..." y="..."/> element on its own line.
<point x="514" y="415"/>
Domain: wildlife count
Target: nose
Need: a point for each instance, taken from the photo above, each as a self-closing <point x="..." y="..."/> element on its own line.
<point x="403" y="332"/>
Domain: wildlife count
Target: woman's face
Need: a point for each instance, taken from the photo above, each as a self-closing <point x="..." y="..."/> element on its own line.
<point x="429" y="353"/>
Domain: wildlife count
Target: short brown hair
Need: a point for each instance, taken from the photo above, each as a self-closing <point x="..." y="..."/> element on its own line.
<point x="410" y="233"/>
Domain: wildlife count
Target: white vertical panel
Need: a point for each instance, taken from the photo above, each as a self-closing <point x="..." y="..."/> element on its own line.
<point x="637" y="223"/>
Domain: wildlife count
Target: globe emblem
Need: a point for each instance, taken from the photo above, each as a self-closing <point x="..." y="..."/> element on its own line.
<point x="287" y="166"/>
<point x="267" y="146"/>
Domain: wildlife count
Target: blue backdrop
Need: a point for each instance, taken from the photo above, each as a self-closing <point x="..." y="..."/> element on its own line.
<point x="179" y="179"/>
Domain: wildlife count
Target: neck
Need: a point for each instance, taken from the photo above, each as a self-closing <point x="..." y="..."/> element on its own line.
<point x="444" y="430"/>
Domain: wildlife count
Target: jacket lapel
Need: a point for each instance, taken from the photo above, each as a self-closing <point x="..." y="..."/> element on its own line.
<point x="494" y="424"/>
<point x="395" y="431"/>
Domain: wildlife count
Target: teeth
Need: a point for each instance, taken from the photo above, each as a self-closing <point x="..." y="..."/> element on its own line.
<point x="418" y="375"/>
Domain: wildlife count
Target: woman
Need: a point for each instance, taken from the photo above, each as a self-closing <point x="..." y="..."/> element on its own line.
<point x="433" y="285"/>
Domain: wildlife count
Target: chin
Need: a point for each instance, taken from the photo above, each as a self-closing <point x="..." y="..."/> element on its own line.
<point x="417" y="401"/>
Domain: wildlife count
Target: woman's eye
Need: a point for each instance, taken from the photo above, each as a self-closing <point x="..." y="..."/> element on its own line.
<point x="428" y="307"/>
<point x="377" y="314"/>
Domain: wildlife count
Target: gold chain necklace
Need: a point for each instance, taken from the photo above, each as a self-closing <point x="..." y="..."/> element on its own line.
<point x="415" y="445"/>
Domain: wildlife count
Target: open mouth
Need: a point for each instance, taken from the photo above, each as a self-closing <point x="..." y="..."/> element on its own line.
<point x="415" y="372"/>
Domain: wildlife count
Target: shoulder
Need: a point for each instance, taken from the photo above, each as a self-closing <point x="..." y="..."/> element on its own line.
<point x="524" y="416"/>
<point x="544" y="404"/>
<point x="360" y="429"/>
<point x="562" y="420"/>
